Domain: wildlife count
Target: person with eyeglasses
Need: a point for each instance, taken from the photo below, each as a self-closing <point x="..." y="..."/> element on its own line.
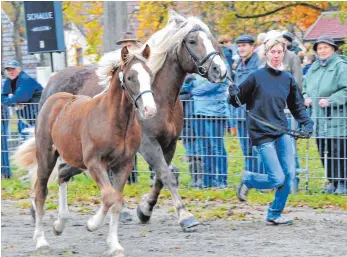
<point x="266" y="93"/>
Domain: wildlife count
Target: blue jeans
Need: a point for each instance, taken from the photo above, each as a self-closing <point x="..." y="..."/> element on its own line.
<point x="279" y="164"/>
<point x="210" y="145"/>
<point x="251" y="161"/>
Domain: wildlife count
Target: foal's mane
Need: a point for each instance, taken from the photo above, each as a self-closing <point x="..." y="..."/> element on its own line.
<point x="111" y="61"/>
<point x="160" y="44"/>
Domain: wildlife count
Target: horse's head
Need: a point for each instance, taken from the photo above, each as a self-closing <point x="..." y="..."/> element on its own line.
<point x="198" y="52"/>
<point x="136" y="79"/>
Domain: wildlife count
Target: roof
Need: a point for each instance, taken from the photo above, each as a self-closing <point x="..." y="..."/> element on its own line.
<point x="328" y="24"/>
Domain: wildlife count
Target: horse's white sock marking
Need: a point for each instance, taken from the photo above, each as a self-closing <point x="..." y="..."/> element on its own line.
<point x="95" y="221"/>
<point x="59" y="225"/>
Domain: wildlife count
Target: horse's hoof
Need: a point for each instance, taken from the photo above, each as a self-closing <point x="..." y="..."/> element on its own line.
<point x="55" y="231"/>
<point x="125" y="216"/>
<point x="142" y="217"/>
<point x="43" y="245"/>
<point x="189" y="223"/>
<point x="117" y="253"/>
<point x="32" y="212"/>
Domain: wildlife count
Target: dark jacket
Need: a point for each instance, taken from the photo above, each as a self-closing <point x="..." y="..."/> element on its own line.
<point x="241" y="73"/>
<point x="295" y="48"/>
<point x="28" y="90"/>
<point x="266" y="93"/>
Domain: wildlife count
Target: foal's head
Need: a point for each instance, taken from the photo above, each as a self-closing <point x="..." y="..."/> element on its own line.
<point x="136" y="79"/>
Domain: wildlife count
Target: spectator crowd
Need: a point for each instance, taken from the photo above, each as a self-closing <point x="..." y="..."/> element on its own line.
<point x="314" y="76"/>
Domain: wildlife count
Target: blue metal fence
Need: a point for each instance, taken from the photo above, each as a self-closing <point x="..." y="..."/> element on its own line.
<point x="213" y="151"/>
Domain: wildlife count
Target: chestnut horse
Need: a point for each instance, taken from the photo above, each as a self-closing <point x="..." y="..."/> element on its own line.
<point x="99" y="134"/>
<point x="182" y="46"/>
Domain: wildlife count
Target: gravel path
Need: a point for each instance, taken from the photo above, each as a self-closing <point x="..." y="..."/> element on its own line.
<point x="315" y="233"/>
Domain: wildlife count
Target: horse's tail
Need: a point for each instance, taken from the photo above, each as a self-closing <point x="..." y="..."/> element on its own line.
<point x="25" y="159"/>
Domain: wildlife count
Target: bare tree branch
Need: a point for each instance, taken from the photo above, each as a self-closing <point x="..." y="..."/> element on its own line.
<point x="280" y="9"/>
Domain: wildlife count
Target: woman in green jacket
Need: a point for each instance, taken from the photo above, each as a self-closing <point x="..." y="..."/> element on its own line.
<point x="325" y="90"/>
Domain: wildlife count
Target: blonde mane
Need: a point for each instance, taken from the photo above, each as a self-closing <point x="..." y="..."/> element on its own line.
<point x="169" y="36"/>
<point x="160" y="44"/>
<point x="111" y="61"/>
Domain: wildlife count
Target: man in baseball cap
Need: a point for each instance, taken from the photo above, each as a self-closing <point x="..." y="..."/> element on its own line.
<point x="19" y="88"/>
<point x="12" y="64"/>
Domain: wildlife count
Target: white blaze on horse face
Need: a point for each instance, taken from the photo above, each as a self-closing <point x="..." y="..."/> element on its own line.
<point x="149" y="107"/>
<point x="209" y="49"/>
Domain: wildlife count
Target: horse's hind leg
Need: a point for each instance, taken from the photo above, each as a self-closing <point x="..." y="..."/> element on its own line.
<point x="65" y="172"/>
<point x="46" y="158"/>
<point x="164" y="176"/>
<point x="59" y="224"/>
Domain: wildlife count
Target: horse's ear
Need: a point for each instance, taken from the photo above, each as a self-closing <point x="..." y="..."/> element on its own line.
<point x="146" y="52"/>
<point x="125" y="53"/>
<point x="174" y="17"/>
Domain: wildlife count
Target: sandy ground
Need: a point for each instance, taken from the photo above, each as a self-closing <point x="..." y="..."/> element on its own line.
<point x="314" y="233"/>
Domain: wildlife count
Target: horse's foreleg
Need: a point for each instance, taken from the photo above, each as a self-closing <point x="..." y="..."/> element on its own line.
<point x="46" y="162"/>
<point x="119" y="179"/>
<point x="153" y="154"/>
<point x="108" y="194"/>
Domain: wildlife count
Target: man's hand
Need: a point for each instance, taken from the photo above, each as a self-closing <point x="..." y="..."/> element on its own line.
<point x="189" y="78"/>
<point x="233" y="131"/>
<point x="308" y="102"/>
<point x="323" y="102"/>
<point x="18" y="107"/>
<point x="308" y="129"/>
<point x="233" y="90"/>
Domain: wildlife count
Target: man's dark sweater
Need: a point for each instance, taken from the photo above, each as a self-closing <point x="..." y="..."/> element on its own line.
<point x="266" y="93"/>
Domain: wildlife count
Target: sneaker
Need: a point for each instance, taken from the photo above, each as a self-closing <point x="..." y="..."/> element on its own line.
<point x="242" y="192"/>
<point x="279" y="221"/>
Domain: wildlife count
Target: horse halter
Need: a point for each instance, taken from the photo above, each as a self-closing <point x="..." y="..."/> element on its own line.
<point x="132" y="99"/>
<point x="201" y="70"/>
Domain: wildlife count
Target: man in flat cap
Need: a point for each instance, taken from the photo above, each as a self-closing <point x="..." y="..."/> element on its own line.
<point x="248" y="63"/>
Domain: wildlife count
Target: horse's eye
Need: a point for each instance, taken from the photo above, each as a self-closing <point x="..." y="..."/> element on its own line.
<point x="129" y="78"/>
<point x="192" y="42"/>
